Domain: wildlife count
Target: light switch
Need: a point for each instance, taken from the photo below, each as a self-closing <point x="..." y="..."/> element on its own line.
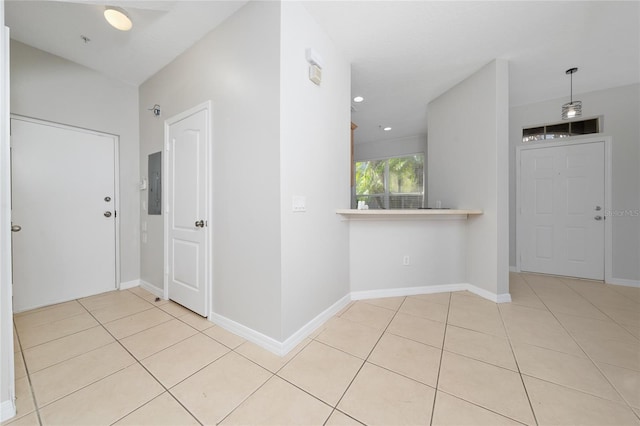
<point x="299" y="203"/>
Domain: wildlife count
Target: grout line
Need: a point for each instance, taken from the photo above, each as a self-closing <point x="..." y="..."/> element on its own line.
<point x="482" y="407"/>
<point x="370" y="352"/>
<point x="333" y="410"/>
<point x="250" y="395"/>
<point x="26" y="369"/>
<point x="444" y="337"/>
<point x="593" y="361"/>
<point x="515" y="358"/>
<point x="139" y="362"/>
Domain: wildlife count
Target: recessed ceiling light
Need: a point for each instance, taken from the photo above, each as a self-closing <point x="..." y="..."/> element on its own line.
<point x="358" y="99"/>
<point x="386" y="129"/>
<point x="117" y="18"/>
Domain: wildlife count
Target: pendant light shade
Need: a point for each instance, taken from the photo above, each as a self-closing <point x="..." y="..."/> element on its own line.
<point x="117" y="18"/>
<point x="572" y="108"/>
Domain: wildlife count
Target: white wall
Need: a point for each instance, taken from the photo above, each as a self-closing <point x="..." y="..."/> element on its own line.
<point x="50" y="88"/>
<point x="436" y="248"/>
<point x="390" y="148"/>
<point x="7" y="384"/>
<point x="620" y="108"/>
<point x="237" y="67"/>
<point x="314" y="162"/>
<point x="468" y="168"/>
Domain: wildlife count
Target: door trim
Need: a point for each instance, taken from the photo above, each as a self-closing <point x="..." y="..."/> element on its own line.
<point x="116" y="176"/>
<point x="608" y="242"/>
<point x="208" y="273"/>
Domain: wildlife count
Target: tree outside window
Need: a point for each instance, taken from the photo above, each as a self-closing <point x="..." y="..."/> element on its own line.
<point x="392" y="183"/>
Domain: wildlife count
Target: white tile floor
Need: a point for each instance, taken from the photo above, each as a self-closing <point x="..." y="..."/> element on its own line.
<point x="564" y="352"/>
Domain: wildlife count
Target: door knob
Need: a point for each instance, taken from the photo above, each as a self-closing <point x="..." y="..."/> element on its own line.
<point x="200" y="224"/>
<point x="598" y="217"/>
<point x="16" y="228"/>
<point x="107" y="214"/>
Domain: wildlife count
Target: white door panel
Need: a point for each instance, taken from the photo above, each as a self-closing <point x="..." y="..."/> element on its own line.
<point x="66" y="248"/>
<point x="187" y="206"/>
<point x="562" y="188"/>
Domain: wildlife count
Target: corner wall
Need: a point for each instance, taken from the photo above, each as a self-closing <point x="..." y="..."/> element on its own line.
<point x="47" y="87"/>
<point x="237" y="67"/>
<point x="468" y="168"/>
<point x="620" y="108"/>
<point x="315" y="163"/>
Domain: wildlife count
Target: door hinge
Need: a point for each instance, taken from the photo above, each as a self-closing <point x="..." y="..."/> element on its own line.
<point x="115" y="213"/>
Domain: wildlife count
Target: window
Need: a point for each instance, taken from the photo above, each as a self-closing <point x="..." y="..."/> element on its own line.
<point x="561" y="130"/>
<point x="392" y="183"/>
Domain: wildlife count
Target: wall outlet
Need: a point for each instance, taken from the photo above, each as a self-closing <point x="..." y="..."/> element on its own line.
<point x="406" y="261"/>
<point x="299" y="203"/>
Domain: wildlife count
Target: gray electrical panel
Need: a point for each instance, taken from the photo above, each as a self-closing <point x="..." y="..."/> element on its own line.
<point x="155" y="183"/>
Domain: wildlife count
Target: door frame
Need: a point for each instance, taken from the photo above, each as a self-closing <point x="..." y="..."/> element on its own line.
<point x="7" y="350"/>
<point x="208" y="266"/>
<point x="608" y="242"/>
<point x="116" y="176"/>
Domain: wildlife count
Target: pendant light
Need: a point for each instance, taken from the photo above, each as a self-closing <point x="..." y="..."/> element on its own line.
<point x="117" y="18"/>
<point x="571" y="109"/>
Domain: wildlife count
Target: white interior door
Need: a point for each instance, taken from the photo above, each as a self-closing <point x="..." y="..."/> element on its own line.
<point x="187" y="210"/>
<point x="61" y="178"/>
<point x="562" y="210"/>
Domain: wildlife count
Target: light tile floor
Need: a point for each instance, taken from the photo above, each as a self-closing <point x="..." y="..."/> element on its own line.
<point x="564" y="352"/>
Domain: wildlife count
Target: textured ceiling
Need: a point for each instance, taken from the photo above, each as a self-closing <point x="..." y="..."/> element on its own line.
<point x="403" y="54"/>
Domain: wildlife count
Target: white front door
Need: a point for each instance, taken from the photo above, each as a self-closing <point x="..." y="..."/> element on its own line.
<point x="62" y="178"/>
<point x="562" y="210"/>
<point x="186" y="222"/>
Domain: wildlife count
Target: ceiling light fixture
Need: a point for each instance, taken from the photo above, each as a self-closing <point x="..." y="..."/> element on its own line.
<point x="571" y="109"/>
<point x="358" y="99"/>
<point x="117" y="18"/>
<point x="387" y="129"/>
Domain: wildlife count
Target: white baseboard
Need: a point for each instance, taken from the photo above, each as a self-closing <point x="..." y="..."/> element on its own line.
<point x="129" y="284"/>
<point x="158" y="292"/>
<point x="412" y="291"/>
<point x="282" y="348"/>
<point x="272" y="345"/>
<point x="513" y="269"/>
<point x="7" y="410"/>
<point x="496" y="298"/>
<point x="250" y="334"/>
<point x="624" y="282"/>
<point x="407" y="291"/>
<point x="312" y="325"/>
